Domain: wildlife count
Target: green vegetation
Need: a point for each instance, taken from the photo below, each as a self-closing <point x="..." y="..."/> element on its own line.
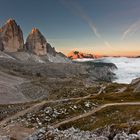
<point x="83" y="99"/>
<point x="118" y="116"/>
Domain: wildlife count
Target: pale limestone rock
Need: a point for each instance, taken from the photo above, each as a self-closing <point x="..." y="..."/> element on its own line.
<point x="36" y="43"/>
<point x="11" y="36"/>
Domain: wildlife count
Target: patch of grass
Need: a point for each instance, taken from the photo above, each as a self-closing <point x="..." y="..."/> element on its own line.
<point x="119" y="115"/>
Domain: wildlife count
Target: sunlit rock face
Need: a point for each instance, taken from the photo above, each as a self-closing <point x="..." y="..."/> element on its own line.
<point x="11" y="37"/>
<point x="36" y="43"/>
<point x="77" y="54"/>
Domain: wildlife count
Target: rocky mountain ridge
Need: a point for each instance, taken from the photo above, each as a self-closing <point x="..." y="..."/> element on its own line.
<point x="80" y="55"/>
<point x="36" y="45"/>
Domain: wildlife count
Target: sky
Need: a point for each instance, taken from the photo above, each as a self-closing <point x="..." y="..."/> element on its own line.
<point x="104" y="27"/>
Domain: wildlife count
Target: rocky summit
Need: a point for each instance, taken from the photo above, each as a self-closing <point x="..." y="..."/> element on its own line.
<point x="11" y="37"/>
<point x="36" y="42"/>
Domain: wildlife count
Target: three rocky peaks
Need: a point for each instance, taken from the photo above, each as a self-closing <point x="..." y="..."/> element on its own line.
<point x="11" y="40"/>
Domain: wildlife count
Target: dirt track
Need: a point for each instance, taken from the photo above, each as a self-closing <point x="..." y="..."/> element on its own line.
<point x="94" y="111"/>
<point x="37" y="107"/>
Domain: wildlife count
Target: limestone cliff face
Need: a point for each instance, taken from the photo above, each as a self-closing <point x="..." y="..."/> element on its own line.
<point x="36" y="43"/>
<point x="11" y="37"/>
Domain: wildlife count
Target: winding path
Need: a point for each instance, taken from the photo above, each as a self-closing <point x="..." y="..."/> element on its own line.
<point x="93" y="111"/>
<point x="37" y="107"/>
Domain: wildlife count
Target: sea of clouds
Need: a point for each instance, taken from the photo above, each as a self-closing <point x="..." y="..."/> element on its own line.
<point x="128" y="68"/>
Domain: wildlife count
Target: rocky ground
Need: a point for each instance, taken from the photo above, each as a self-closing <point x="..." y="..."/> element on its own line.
<point x="66" y="101"/>
<point x="22" y="81"/>
<point x="76" y="134"/>
<point x="110" y="122"/>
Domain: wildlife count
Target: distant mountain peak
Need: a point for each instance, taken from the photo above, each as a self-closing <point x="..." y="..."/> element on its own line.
<point x="77" y="54"/>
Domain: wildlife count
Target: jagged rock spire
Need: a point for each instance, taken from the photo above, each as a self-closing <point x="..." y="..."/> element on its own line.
<point x="11" y="36"/>
<point x="36" y="42"/>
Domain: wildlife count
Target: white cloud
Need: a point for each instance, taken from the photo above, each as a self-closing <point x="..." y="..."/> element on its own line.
<point x="132" y="29"/>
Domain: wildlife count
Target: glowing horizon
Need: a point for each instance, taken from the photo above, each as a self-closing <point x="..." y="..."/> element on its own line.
<point x="110" y="27"/>
<point x="129" y="49"/>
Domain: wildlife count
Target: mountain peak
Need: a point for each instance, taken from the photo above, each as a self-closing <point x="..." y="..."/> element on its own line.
<point x="11" y="36"/>
<point x="36" y="42"/>
<point x="77" y="54"/>
<point x="34" y="30"/>
<point x="11" y="21"/>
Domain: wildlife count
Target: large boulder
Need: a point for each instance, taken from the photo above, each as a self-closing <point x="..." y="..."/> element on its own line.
<point x="36" y="42"/>
<point x="11" y="37"/>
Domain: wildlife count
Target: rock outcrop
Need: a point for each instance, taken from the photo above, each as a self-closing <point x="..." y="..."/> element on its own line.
<point x="77" y="54"/>
<point x="1" y="46"/>
<point x="36" y="43"/>
<point x="136" y="85"/>
<point x="77" y="134"/>
<point x="51" y="50"/>
<point x="101" y="71"/>
<point x="69" y="134"/>
<point x="11" y="37"/>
